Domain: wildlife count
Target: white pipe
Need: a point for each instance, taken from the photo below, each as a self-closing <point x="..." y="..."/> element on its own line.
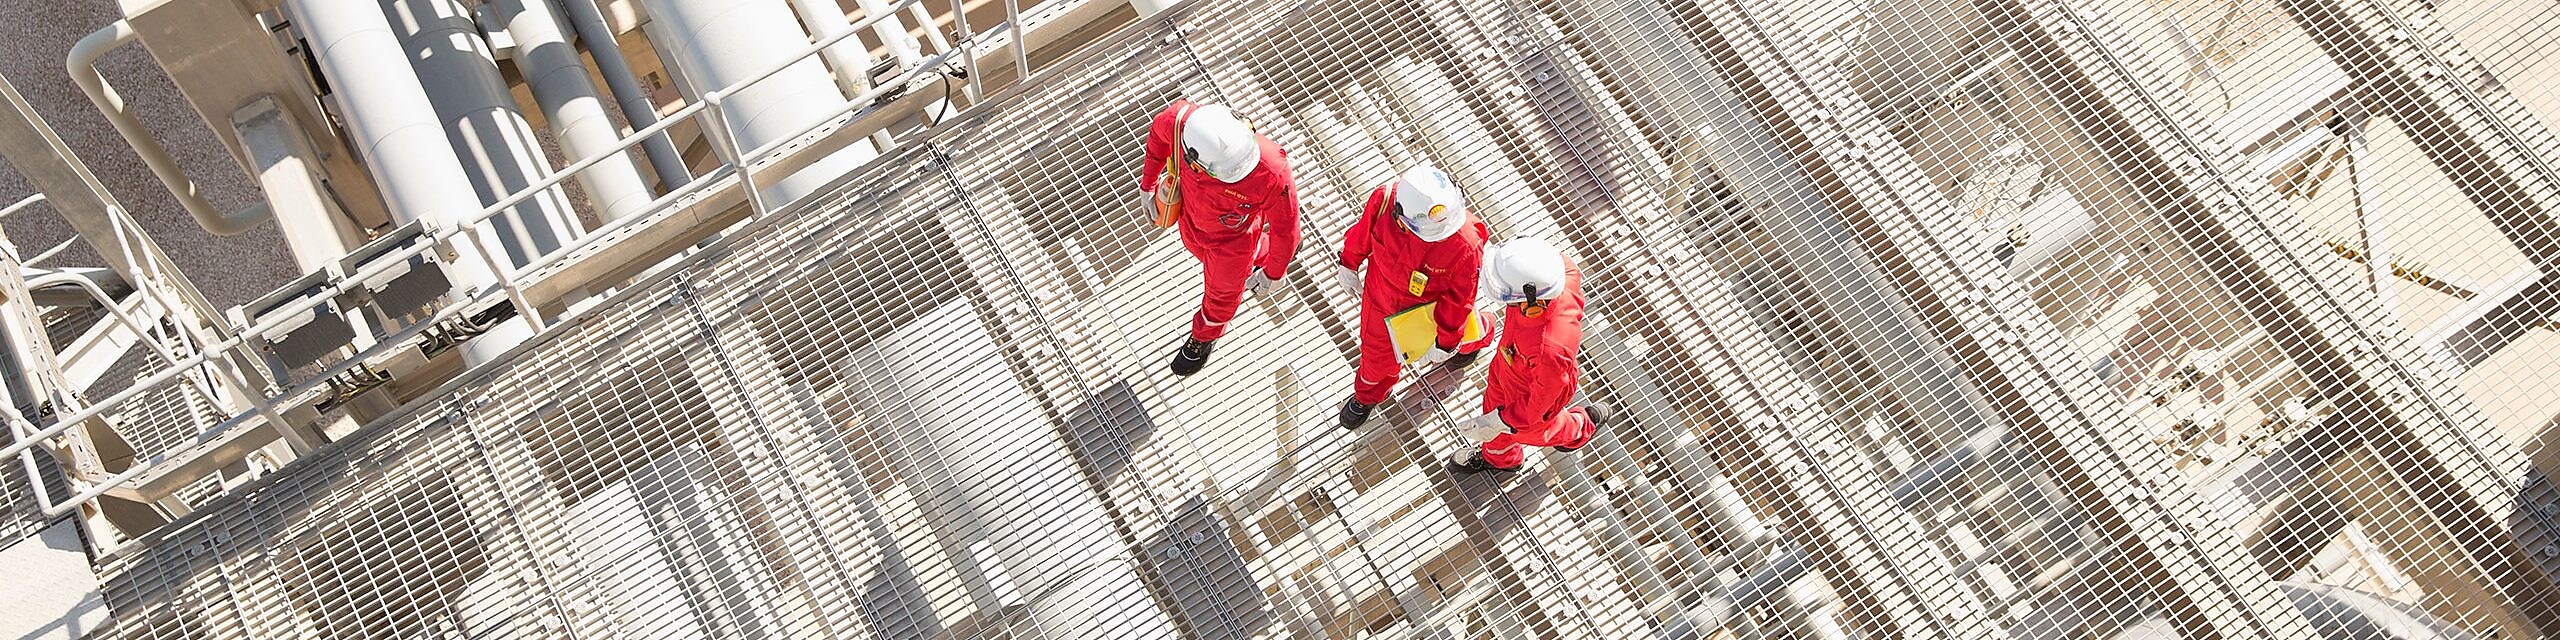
<point x="892" y="32"/>
<point x="568" y="100"/>
<point x="389" y="120"/>
<point x="82" y="63"/>
<point x="637" y="110"/>
<point x="445" y="234"/>
<point x="851" y="62"/>
<point x="1147" y="8"/>
<point x="497" y="147"/>
<point x="715" y="43"/>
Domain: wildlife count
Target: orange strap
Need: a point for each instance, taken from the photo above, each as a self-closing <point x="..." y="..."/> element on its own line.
<point x="1168" y="198"/>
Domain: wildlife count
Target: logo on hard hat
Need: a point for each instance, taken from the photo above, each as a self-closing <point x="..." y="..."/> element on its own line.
<point x="1438" y="211"/>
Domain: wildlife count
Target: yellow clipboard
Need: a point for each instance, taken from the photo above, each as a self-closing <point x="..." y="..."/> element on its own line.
<point x="1416" y="332"/>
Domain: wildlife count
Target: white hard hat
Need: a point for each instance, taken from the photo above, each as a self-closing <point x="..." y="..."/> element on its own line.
<point x="1429" y="203"/>
<point x="1522" y="270"/>
<point x="1221" y="145"/>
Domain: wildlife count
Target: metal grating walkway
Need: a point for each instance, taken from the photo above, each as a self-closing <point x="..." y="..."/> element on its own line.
<point x="931" y="402"/>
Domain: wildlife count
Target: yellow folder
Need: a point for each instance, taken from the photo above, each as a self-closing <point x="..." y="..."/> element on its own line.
<point x="1415" y="331"/>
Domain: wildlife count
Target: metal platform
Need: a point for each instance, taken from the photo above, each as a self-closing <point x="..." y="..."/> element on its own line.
<point x="931" y="401"/>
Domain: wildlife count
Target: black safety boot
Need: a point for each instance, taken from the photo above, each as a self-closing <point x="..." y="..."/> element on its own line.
<point x="1471" y="461"/>
<point x="1599" y="418"/>
<point x="1461" y="360"/>
<point x="1188" y="359"/>
<point x="1355" y="414"/>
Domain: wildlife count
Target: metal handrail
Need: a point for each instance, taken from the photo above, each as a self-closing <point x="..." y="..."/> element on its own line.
<point x="265" y="406"/>
<point x="56" y="249"/>
<point x="439" y="233"/>
<point x="262" y="405"/>
<point x="21" y="204"/>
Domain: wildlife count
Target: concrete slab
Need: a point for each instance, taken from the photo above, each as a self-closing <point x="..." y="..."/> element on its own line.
<point x="50" y="593"/>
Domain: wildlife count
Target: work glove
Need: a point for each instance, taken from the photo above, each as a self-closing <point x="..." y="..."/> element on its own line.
<point x="1261" y="284"/>
<point x="1435" y="356"/>
<point x="1349" y="277"/>
<point x="1482" y="429"/>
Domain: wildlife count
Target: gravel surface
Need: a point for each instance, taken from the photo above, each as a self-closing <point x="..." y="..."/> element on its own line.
<point x="230" y="269"/>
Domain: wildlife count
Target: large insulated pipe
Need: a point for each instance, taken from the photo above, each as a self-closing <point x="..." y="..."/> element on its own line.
<point x="568" y="100"/>
<point x="715" y="43"/>
<point x="388" y="119"/>
<point x="83" y="66"/>
<point x="496" y="146"/>
<point x="637" y="110"/>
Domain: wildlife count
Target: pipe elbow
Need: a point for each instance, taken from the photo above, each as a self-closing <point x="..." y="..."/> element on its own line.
<point x="82" y="62"/>
<point x="234" y="223"/>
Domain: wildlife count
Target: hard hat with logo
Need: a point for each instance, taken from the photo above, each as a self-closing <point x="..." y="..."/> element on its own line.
<point x="1428" y="203"/>
<point x="1218" y="144"/>
<point x="1522" y="270"/>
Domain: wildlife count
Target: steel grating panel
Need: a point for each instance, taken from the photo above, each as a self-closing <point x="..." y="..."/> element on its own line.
<point x="1995" y="318"/>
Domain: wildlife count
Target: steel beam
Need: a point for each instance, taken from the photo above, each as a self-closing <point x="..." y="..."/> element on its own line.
<point x="33" y="148"/>
<point x="1792" y="453"/>
<point x="2409" y="66"/>
<point x="2020" y="360"/>
<point x="2400" y="396"/>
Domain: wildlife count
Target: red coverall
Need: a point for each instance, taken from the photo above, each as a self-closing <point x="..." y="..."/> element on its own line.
<point x="1231" y="228"/>
<point x="1405" y="272"/>
<point x="1535" y="374"/>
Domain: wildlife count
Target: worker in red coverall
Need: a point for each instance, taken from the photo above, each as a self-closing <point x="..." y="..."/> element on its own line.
<point x="1420" y="245"/>
<point x="1238" y="212"/>
<point x="1531" y="384"/>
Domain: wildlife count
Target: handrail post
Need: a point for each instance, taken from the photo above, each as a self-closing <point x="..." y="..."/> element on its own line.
<point x="1021" y="42"/>
<point x="968" y="44"/>
<point x="20" y="429"/>
<point x="725" y="144"/>
<point x="506" y="281"/>
<point x="82" y="64"/>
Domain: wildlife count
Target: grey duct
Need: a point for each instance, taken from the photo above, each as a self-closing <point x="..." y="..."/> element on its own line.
<point x="637" y="110"/>
<point x="390" y="122"/>
<point x="711" y="44"/>
<point x="559" y="84"/>
<point x="495" y="145"/>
